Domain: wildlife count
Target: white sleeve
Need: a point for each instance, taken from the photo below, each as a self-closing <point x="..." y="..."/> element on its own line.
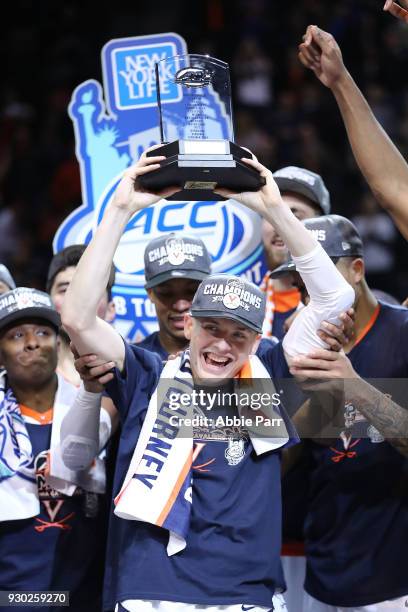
<point x="330" y="295"/>
<point x="84" y="431"/>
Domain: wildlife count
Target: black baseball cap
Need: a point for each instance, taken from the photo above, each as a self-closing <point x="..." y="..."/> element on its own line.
<point x="306" y="183"/>
<point x="6" y="278"/>
<point x="230" y="297"/>
<point x="27" y="303"/>
<point x="337" y="235"/>
<point x="175" y="256"/>
<point x="67" y="257"/>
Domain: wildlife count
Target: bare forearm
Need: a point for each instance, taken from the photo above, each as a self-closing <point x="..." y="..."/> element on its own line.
<point x="389" y="418"/>
<point x="89" y="333"/>
<point x="379" y="160"/>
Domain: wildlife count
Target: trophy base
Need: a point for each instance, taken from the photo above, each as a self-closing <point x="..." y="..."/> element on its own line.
<point x="200" y="166"/>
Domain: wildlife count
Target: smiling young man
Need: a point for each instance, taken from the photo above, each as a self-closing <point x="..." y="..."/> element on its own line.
<point x="51" y="523"/>
<point x="197" y="524"/>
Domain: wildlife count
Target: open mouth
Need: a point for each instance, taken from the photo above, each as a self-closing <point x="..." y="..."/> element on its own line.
<point x="216" y="362"/>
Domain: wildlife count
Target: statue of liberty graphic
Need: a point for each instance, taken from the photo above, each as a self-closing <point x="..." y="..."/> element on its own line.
<point x="105" y="159"/>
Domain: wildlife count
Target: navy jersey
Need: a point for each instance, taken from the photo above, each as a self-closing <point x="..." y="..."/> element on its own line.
<point x="357" y="527"/>
<point x="152" y="343"/>
<point x="233" y="543"/>
<point x="62" y="548"/>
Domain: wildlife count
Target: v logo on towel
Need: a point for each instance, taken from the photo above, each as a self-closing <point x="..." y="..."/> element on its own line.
<point x="18" y="483"/>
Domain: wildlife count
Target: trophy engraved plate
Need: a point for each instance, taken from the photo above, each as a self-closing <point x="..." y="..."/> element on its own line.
<point x="197" y="132"/>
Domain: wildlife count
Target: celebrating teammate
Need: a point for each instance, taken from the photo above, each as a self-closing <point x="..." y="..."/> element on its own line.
<point x="175" y="264"/>
<point x="225" y="531"/>
<point x="52" y="524"/>
<point x="357" y="507"/>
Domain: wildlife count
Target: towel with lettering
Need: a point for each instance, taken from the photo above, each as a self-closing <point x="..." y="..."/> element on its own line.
<point x="158" y="485"/>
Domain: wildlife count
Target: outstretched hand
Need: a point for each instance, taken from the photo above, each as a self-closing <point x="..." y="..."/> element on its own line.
<point x="320" y="53"/>
<point x="396" y="10"/>
<point x="130" y="195"/>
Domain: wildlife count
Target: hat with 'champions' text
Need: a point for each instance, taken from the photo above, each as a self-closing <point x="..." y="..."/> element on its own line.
<point x="25" y="303"/>
<point x="175" y="256"/>
<point x="230" y="297"/>
<point x="337" y="235"/>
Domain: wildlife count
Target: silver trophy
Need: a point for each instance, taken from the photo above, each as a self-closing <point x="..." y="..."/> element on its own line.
<point x="196" y="129"/>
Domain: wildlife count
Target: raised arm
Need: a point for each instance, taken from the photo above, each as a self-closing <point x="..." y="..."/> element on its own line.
<point x="329" y="292"/>
<point x="382" y="165"/>
<point x="269" y="204"/>
<point x="89" y="333"/>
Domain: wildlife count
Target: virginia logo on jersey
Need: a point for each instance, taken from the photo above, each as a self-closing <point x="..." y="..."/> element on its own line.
<point x="235" y="451"/>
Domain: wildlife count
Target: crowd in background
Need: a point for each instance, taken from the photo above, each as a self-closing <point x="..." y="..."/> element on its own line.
<point x="281" y="112"/>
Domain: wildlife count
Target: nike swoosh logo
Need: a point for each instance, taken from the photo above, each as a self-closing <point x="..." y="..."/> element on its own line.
<point x="244" y="608"/>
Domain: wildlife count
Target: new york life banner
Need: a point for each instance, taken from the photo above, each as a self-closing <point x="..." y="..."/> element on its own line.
<point x="113" y="124"/>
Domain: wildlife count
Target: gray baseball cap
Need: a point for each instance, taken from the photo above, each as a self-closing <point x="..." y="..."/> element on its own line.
<point x="230" y="297"/>
<point x="27" y="303"/>
<point x="305" y="182"/>
<point x="6" y="278"/>
<point x="175" y="256"/>
<point x="337" y="235"/>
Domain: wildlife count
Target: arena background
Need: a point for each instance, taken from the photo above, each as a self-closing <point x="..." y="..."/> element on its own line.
<point x="282" y="112"/>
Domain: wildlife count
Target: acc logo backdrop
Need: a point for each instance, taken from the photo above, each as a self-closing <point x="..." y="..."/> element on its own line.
<point x="113" y="125"/>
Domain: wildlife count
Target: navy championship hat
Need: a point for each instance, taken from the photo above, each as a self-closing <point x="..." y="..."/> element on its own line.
<point x="26" y="303"/>
<point x="337" y="235"/>
<point x="175" y="256"/>
<point x="230" y="297"/>
<point x="306" y="183"/>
